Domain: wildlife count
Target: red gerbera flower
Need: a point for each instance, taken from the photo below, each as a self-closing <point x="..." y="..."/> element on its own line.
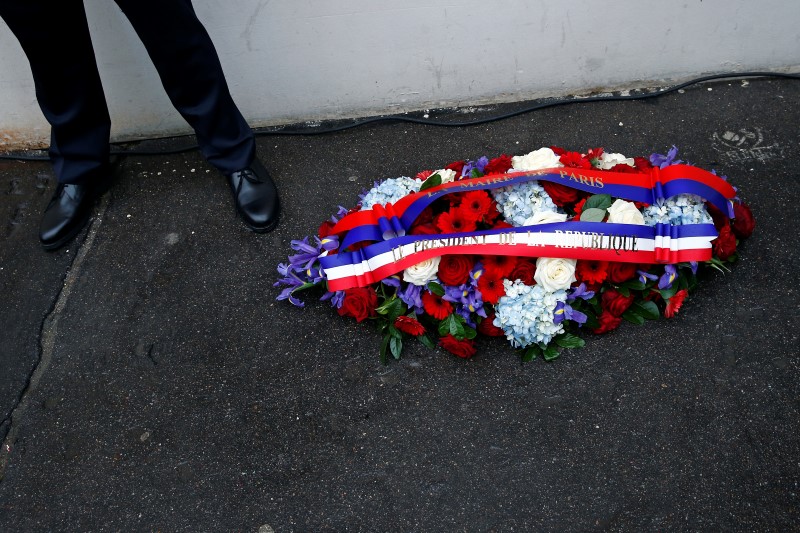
<point x="491" y="288"/>
<point x="592" y="272"/>
<point x="435" y="306"/>
<point x="425" y="174"/>
<point x="455" y="221"/>
<point x="409" y="325"/>
<point x="575" y="160"/>
<point x="499" y="266"/>
<point x="674" y="304"/>
<point x="476" y="204"/>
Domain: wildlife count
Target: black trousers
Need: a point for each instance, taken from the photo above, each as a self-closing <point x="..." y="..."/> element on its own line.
<point x="55" y="37"/>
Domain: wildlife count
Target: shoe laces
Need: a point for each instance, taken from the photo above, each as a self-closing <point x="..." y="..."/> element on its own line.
<point x="248" y="175"/>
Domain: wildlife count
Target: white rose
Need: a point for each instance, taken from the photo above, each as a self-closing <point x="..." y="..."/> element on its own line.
<point x="541" y="158"/>
<point x="421" y="273"/>
<point x="622" y="212"/>
<point x="555" y="273"/>
<point x="545" y="217"/>
<point x="446" y="174"/>
<point x="608" y="161"/>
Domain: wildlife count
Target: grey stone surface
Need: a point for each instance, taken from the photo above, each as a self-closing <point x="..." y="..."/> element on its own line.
<point x="180" y="396"/>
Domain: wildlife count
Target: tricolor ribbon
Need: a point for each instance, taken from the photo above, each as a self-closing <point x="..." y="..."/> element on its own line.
<point x="628" y="243"/>
<point x="393" y="220"/>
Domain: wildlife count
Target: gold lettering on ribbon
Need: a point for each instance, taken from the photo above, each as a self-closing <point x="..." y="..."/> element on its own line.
<point x="589" y="181"/>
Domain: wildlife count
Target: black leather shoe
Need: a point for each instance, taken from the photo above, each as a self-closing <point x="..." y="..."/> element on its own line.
<point x="255" y="197"/>
<point x="66" y="214"/>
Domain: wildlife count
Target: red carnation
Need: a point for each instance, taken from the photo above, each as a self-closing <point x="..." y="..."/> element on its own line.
<point x="454" y="269"/>
<point x="674" y="304"/>
<point x="325" y="229"/>
<point x="498" y="165"/>
<point x="725" y="244"/>
<point x="458" y="166"/>
<point x="465" y="348"/>
<point x="359" y="303"/>
<point x="608" y="322"/>
<point x="594" y="153"/>
<point x="499" y="266"/>
<point x="487" y="327"/>
<point x="743" y="221"/>
<point x="476" y="204"/>
<point x="409" y="325"/>
<point x="615" y="303"/>
<point x="455" y="221"/>
<point x="560" y="194"/>
<point x="491" y="288"/>
<point x="435" y="306"/>
<point x="579" y="208"/>
<point x="591" y="272"/>
<point x="575" y="160"/>
<point x="524" y="271"/>
<point x="558" y="150"/>
<point x="621" y="272"/>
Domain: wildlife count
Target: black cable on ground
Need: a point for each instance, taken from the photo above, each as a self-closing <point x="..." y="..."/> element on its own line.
<point x="426" y="122"/>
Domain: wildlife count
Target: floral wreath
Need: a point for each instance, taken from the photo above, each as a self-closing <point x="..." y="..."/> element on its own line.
<point x="534" y="248"/>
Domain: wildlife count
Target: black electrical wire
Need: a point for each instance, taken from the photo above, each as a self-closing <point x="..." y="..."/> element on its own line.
<point x="447" y="124"/>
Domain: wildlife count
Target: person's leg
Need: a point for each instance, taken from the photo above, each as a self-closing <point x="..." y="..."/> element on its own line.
<point x="54" y="35"/>
<point x="190" y="71"/>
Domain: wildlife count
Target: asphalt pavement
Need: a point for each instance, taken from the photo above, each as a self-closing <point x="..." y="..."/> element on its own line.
<point x="151" y="382"/>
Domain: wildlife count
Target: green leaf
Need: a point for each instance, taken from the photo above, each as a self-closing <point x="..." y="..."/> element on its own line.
<point x="433" y="180"/>
<point x="396" y="347"/>
<point x="469" y="333"/>
<point x="531" y="353"/>
<point x="550" y="353"/>
<point x="624" y="291"/>
<point x="591" y="322"/>
<point x="392" y="309"/>
<point x="598" y="201"/>
<point x="436" y="289"/>
<point x="648" y="310"/>
<point x="394" y="332"/>
<point x="304" y="286"/>
<point x="452" y="326"/>
<point x="384" y="348"/>
<point x="426" y="341"/>
<point x="476" y="173"/>
<point x="631" y="316"/>
<point x="568" y="340"/>
<point x="668" y="293"/>
<point x="593" y="215"/>
<point x="634" y="285"/>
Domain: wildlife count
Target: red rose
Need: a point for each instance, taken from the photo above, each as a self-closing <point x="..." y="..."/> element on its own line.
<point x="624" y="169"/>
<point x="575" y="160"/>
<point x="465" y="348"/>
<point x="359" y="303"/>
<point x="458" y="166"/>
<point x="579" y="208"/>
<point x="487" y="327"/>
<point x="454" y="269"/>
<point x="325" y="229"/>
<point x="720" y="219"/>
<point x="560" y="194"/>
<point x="608" y="322"/>
<point x="498" y="165"/>
<point x="725" y="244"/>
<point x="615" y="303"/>
<point x="642" y="163"/>
<point x="409" y="325"/>
<point x="524" y="271"/>
<point x="558" y="150"/>
<point x="621" y="272"/>
<point x="743" y="221"/>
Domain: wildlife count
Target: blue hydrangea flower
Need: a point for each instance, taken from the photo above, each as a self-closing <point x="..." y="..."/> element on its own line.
<point x="389" y="191"/>
<point x="679" y="210"/>
<point x="527" y="314"/>
<point x="519" y="202"/>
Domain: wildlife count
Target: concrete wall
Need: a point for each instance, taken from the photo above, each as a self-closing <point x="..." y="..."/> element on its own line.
<point x="293" y="60"/>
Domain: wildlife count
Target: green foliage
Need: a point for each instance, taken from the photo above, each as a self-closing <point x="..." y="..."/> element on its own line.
<point x="598" y="201"/>
<point x="593" y="215"/>
<point x="433" y="180"/>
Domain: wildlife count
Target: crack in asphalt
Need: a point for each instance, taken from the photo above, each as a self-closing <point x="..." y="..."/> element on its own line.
<point x="47" y="334"/>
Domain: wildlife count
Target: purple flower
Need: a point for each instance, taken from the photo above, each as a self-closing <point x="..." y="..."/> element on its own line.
<point x="563" y="312"/>
<point x="412" y="297"/>
<point x="580" y="292"/>
<point x="644" y="276"/>
<point x="336" y="298"/>
<point x="478" y="165"/>
<point x="666" y="280"/>
<point x="662" y="161"/>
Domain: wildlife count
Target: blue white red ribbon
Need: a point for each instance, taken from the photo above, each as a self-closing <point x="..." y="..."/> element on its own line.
<point x="628" y="243"/>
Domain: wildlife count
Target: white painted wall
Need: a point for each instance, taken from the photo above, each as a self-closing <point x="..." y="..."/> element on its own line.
<point x="293" y="60"/>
